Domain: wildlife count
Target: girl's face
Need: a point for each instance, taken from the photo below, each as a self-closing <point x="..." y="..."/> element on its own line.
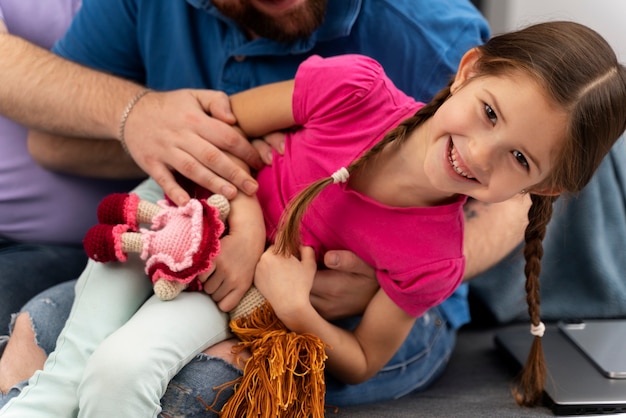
<point x="493" y="138"/>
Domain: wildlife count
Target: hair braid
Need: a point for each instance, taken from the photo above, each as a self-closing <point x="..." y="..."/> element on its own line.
<point x="532" y="380"/>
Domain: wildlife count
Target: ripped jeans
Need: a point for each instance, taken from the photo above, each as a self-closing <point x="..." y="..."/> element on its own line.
<point x="189" y="382"/>
<point x="417" y="364"/>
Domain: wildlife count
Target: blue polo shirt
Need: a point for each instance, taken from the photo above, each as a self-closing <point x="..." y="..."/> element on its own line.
<point x="171" y="44"/>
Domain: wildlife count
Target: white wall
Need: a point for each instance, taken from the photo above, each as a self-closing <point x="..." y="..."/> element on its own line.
<point x="608" y="17"/>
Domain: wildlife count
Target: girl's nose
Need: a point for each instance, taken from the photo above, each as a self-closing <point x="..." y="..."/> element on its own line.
<point x="482" y="155"/>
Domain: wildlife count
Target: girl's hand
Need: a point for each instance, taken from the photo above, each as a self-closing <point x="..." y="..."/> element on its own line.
<point x="286" y="281"/>
<point x="233" y="269"/>
<point x="239" y="252"/>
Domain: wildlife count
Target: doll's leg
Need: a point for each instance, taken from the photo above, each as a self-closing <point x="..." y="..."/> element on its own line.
<point x="129" y="372"/>
<point x="107" y="295"/>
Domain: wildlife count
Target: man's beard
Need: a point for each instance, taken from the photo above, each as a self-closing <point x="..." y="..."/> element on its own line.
<point x="296" y="24"/>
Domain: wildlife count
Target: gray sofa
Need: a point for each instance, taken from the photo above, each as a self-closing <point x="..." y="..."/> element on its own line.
<point x="476" y="383"/>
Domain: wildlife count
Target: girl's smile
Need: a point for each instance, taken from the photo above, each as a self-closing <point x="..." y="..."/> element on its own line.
<point x="457" y="164"/>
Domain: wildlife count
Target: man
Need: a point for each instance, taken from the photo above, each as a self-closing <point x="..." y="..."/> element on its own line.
<point x="230" y="46"/>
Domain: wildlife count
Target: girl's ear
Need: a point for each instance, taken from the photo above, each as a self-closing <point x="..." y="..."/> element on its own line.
<point x="467" y="69"/>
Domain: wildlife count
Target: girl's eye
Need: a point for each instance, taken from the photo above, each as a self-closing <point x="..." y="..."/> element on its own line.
<point x="521" y="159"/>
<point x="491" y="114"/>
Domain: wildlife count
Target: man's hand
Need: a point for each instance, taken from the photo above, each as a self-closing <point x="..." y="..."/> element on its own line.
<point x="186" y="131"/>
<point x="346" y="288"/>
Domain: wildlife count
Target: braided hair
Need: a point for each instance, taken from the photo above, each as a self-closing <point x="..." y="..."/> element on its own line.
<point x="580" y="74"/>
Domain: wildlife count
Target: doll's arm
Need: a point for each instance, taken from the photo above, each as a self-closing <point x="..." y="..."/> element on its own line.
<point x="354" y="356"/>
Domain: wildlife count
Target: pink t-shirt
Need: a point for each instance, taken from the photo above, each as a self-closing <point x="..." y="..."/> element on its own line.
<point x="345" y="105"/>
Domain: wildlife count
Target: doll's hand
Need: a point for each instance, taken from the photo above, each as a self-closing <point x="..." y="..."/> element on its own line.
<point x="286" y="281"/>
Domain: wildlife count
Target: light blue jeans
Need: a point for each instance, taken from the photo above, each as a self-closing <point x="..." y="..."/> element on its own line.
<point x="117" y="354"/>
<point x="415" y="366"/>
<point x="119" y="347"/>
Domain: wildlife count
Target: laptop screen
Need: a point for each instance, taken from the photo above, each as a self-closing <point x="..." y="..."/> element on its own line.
<point x="574" y="385"/>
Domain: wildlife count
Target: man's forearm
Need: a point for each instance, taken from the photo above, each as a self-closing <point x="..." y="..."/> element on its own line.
<point x="98" y="158"/>
<point x="44" y="91"/>
<point x="492" y="231"/>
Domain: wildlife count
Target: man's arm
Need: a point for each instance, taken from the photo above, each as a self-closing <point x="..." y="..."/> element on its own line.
<point x="98" y="158"/>
<point x="180" y="130"/>
<point x="492" y="231"/>
<point x="42" y="90"/>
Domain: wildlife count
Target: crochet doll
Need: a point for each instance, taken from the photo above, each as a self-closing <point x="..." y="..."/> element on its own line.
<point x="180" y="244"/>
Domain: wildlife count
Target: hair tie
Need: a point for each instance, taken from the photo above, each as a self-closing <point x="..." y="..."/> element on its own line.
<point x="538" y="330"/>
<point x="341" y="175"/>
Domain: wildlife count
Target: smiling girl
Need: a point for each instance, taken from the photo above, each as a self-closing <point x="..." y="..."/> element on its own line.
<point x="532" y="111"/>
<point x="368" y="169"/>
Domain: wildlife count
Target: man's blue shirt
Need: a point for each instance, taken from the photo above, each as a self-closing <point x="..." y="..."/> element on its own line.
<point x="171" y="44"/>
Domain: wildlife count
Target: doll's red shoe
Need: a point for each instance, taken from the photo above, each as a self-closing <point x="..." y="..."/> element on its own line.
<point x="119" y="208"/>
<point x="103" y="243"/>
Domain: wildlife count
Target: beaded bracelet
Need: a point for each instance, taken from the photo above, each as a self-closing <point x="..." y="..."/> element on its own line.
<point x="127" y="111"/>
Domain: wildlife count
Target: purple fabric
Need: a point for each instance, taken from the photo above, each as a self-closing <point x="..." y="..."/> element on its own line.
<point x="37" y="205"/>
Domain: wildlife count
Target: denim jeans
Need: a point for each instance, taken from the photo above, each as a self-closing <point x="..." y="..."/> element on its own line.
<point x="190" y="391"/>
<point x="48" y="312"/>
<point x="28" y="269"/>
<point x="417" y="364"/>
<point x="421" y="359"/>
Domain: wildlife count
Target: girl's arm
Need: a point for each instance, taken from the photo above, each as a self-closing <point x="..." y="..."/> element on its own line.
<point x="353" y="357"/>
<point x="264" y="109"/>
<point x="239" y="251"/>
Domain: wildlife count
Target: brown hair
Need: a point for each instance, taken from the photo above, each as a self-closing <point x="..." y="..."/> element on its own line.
<point x="580" y="74"/>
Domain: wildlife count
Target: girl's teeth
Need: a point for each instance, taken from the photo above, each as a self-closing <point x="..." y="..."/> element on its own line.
<point x="455" y="164"/>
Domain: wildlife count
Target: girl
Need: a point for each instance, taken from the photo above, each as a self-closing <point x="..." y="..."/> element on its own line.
<point x="532" y="111"/>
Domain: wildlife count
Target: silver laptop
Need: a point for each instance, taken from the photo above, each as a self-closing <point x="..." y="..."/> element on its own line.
<point x="585" y="361"/>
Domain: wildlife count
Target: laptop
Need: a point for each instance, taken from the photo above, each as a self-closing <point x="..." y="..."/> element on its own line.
<point x="586" y="362"/>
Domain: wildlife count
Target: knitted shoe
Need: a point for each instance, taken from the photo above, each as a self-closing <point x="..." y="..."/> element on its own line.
<point x="119" y="208"/>
<point x="103" y="243"/>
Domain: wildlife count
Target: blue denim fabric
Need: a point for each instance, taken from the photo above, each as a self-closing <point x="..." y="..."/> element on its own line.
<point x="192" y="392"/>
<point x="28" y="269"/>
<point x="419" y="362"/>
<point x="48" y="312"/>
